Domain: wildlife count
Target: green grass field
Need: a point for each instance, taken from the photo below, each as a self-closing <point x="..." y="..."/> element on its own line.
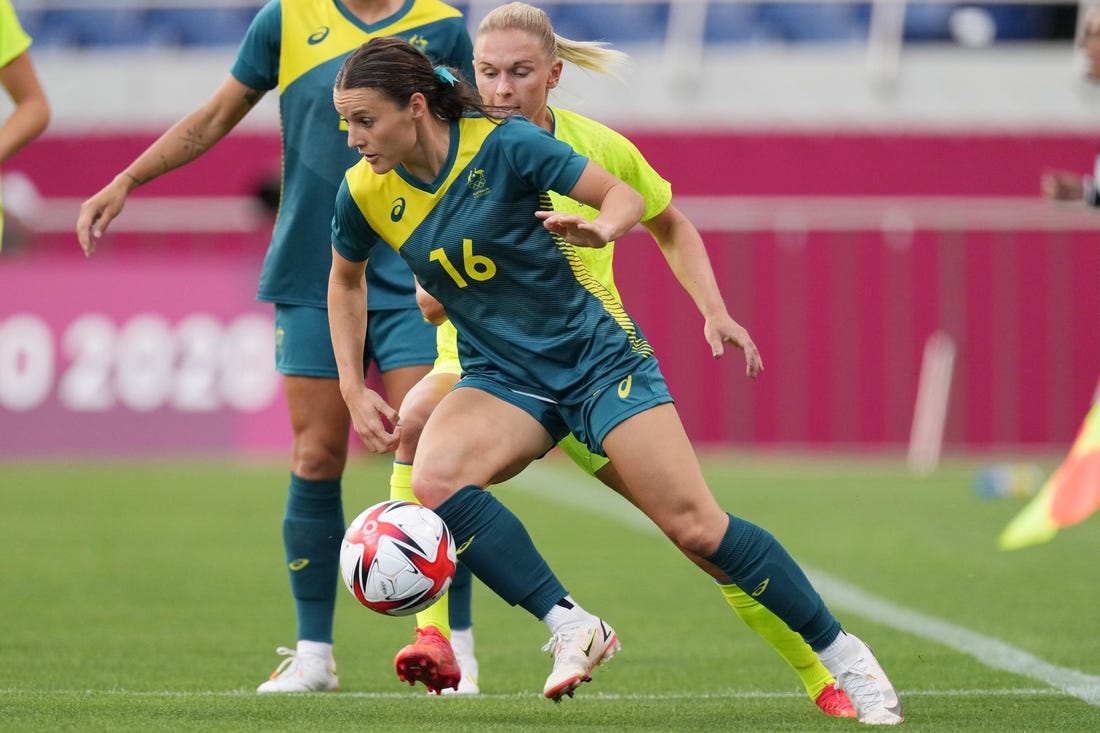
<point x="151" y="596"/>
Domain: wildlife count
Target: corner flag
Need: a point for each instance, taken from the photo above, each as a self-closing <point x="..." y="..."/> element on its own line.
<point x="1069" y="496"/>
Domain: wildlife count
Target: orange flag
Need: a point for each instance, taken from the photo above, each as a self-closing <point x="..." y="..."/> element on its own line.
<point x="1069" y="496"/>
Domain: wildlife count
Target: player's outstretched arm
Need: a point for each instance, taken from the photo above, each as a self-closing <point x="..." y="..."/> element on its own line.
<point x="183" y="142"/>
<point x="620" y="207"/>
<point x="683" y="249"/>
<point x="32" y="109"/>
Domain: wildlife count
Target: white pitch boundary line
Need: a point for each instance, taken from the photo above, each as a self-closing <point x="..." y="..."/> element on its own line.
<point x="724" y="695"/>
<point x="547" y="481"/>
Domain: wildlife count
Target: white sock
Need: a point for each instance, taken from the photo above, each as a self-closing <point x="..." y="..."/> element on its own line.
<point x="566" y="611"/>
<point x="839" y="655"/>
<point x="315" y="648"/>
<point x="462" y="641"/>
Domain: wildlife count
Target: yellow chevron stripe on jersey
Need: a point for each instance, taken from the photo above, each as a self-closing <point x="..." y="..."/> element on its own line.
<point x="317" y="31"/>
<point x="393" y="207"/>
<point x="593" y="285"/>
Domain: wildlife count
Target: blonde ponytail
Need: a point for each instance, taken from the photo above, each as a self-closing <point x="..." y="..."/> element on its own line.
<point x="592" y="55"/>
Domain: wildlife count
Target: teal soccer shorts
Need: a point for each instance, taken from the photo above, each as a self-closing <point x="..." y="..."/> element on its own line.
<point x="395" y="338"/>
<point x="593" y="419"/>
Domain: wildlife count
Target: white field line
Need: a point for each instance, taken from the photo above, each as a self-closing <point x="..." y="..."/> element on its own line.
<point x="560" y="483"/>
<point x="419" y="695"/>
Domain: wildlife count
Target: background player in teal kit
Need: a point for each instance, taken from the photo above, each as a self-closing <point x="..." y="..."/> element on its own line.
<point x="296" y="47"/>
<point x="518" y="60"/>
<point x="546" y="350"/>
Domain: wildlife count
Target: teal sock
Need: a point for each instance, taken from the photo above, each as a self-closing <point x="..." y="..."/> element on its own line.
<point x="753" y="559"/>
<point x="313" y="528"/>
<point x="496" y="547"/>
<point x="461" y="598"/>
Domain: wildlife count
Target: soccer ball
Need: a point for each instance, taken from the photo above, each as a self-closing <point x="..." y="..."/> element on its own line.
<point x="397" y="558"/>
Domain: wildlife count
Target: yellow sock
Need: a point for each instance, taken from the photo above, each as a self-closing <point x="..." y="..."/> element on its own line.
<point x="438" y="613"/>
<point x="401" y="482"/>
<point x="787" y="643"/>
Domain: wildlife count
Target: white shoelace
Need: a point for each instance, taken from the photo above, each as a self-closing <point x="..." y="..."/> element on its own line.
<point x="291" y="658"/>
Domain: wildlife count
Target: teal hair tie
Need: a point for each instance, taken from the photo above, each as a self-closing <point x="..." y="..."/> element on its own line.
<point x="443" y="74"/>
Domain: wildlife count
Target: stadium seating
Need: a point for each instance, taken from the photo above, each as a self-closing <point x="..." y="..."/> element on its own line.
<point x="82" y="28"/>
<point x="612" y="22"/>
<point x="132" y="23"/>
<point x="197" y="26"/>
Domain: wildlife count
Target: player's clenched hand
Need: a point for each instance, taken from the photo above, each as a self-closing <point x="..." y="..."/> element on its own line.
<point x="97" y="213"/>
<point x="376" y="423"/>
<point x="719" y="331"/>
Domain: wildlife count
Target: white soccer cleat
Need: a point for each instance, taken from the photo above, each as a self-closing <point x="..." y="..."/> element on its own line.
<point x="577" y="650"/>
<point x="463" y="644"/>
<point x="467" y="684"/>
<point x="864" y="681"/>
<point x="301" y="673"/>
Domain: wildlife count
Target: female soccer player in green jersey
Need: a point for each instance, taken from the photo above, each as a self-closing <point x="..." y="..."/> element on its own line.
<point x="17" y="76"/>
<point x="296" y="47"/>
<point x="546" y="350"/>
<point x="518" y="60"/>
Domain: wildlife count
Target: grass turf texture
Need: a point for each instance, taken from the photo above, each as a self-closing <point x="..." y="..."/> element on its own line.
<point x="150" y="597"/>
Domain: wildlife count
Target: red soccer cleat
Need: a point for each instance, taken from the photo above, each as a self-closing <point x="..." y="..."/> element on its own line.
<point x="835" y="703"/>
<point x="430" y="660"/>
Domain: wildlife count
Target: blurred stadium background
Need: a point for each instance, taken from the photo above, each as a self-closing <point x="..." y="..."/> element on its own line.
<point x="866" y="175"/>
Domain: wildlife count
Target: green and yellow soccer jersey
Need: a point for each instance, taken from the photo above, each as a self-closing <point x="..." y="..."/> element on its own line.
<point x="618" y="155"/>
<point x="298" y="46"/>
<point x="527" y="310"/>
<point x="13" y="39"/>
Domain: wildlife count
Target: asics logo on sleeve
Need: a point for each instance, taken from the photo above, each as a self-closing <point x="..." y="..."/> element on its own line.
<point x="318" y="35"/>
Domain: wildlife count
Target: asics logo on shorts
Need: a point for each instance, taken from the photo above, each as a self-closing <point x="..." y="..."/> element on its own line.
<point x="624" y="387"/>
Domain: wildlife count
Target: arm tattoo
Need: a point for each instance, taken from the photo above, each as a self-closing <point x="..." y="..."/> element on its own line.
<point x="193" y="144"/>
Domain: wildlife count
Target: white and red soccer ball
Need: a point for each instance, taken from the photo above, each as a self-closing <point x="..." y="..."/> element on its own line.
<point x="397" y="558"/>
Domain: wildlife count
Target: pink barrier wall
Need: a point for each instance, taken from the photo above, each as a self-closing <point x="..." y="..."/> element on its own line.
<point x="126" y="353"/>
<point x="158" y="346"/>
<point x="842" y="323"/>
